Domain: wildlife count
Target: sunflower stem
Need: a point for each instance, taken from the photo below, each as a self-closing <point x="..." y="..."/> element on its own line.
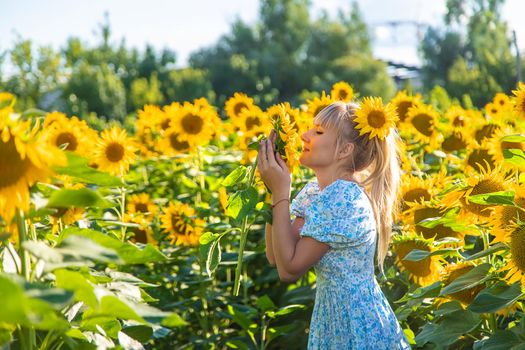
<point x="122" y="212"/>
<point x="244" y="235"/>
<point x="28" y="333"/>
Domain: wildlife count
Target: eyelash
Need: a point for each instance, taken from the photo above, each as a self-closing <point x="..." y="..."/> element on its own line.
<point x="319" y="132"/>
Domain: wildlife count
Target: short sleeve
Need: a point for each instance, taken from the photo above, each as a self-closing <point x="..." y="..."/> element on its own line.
<point x="302" y="200"/>
<point x="340" y="217"/>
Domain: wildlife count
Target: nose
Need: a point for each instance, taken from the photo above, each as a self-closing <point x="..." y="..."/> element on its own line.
<point x="304" y="136"/>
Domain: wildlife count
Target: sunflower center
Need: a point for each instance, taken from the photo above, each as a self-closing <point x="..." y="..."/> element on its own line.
<point x="486" y="131"/>
<point x="484" y="186"/>
<point x="237" y="109"/>
<point x="402" y="109"/>
<point x="251" y="122"/>
<point x="517" y="248"/>
<point x="140" y="236"/>
<point x="178" y="145"/>
<point x="114" y="152"/>
<point x="69" y="138"/>
<point x="192" y="124"/>
<point x="480" y="159"/>
<point x="12" y="167"/>
<point x="415" y="194"/>
<point x="376" y="119"/>
<point x="508" y="145"/>
<point x="180" y="226"/>
<point x="423" y="124"/>
<point x="342" y="94"/>
<point x="419" y="268"/>
<point x="453" y="143"/>
<point x="165" y="124"/>
<point x="438" y="231"/>
<point x="459" y="121"/>
<point x="465" y="296"/>
<point x="141" y="207"/>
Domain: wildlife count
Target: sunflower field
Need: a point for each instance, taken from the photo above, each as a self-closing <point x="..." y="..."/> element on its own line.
<point x="150" y="235"/>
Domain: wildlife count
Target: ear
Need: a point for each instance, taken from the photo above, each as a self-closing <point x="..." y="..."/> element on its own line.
<point x="346" y="151"/>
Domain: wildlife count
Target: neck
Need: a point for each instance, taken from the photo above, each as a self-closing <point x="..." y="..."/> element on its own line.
<point x="325" y="178"/>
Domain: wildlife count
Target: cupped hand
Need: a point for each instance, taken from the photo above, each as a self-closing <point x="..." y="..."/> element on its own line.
<point x="273" y="169"/>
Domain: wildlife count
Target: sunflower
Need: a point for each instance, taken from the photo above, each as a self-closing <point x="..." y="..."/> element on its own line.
<point x="287" y="142"/>
<point x="317" y="104"/>
<point x="456" y="140"/>
<point x="66" y="216"/>
<point x="114" y="151"/>
<point x="485" y="131"/>
<point x="169" y="113"/>
<point x="141" y="203"/>
<point x="457" y="117"/>
<point x="295" y="115"/>
<point x="253" y="121"/>
<point x="403" y="103"/>
<point x="148" y="118"/>
<point x="25" y="158"/>
<point x="7" y="102"/>
<point x="374" y="118"/>
<point x="519" y="100"/>
<point x="480" y="159"/>
<point x="486" y="182"/>
<point x="181" y="225"/>
<point x="194" y="124"/>
<point x="415" y="189"/>
<point x="418" y="212"/>
<point x="236" y="104"/>
<point x="53" y="117"/>
<point x="515" y="239"/>
<point x="453" y="272"/>
<point x="342" y="91"/>
<point x="497" y="147"/>
<point x="68" y="134"/>
<point x="170" y="144"/>
<point x="505" y="216"/>
<point x="493" y="110"/>
<point x="423" y="272"/>
<point x="422" y="120"/>
<point x="143" y="233"/>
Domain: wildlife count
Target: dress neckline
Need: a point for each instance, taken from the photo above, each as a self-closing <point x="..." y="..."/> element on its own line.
<point x="334" y="182"/>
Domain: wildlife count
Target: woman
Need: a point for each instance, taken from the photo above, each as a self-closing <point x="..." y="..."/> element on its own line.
<point x="336" y="227"/>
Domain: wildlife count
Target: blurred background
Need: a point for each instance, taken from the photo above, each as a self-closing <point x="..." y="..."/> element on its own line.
<point x="109" y="58"/>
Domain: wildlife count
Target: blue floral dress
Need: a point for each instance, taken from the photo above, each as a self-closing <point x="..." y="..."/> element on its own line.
<point x="350" y="311"/>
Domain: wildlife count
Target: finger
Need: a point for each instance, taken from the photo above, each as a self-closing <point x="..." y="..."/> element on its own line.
<point x="280" y="161"/>
<point x="262" y="159"/>
<point x="271" y="155"/>
<point x="273" y="136"/>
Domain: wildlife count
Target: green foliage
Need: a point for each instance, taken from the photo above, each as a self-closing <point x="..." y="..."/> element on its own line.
<point x="144" y="91"/>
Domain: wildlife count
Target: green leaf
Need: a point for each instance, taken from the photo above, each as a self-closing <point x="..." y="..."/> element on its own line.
<point x="274" y="332"/>
<point x="448" y="307"/>
<point x="239" y="317"/>
<point x="501" y="197"/>
<point x="114" y="307"/>
<point x="79" y="198"/>
<point x="430" y="291"/>
<point x="235" y="177"/>
<point x="491" y="250"/>
<point x="237" y="344"/>
<point x="174" y="320"/>
<point x="77" y="283"/>
<point x="474" y="277"/>
<point x="264" y="303"/>
<point x="449" y="329"/>
<point x="78" y="168"/>
<point x="286" y="310"/>
<point x="242" y="203"/>
<point x="417" y="255"/>
<point x="513" y="138"/>
<point x="496" y="298"/>
<point x="130" y="253"/>
<point x="514" y="156"/>
<point x="210" y="251"/>
<point x="500" y="340"/>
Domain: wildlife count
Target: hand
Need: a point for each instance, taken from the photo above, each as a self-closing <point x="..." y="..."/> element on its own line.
<point x="273" y="169"/>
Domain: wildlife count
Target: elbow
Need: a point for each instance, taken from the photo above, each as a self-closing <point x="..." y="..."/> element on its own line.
<point x="288" y="278"/>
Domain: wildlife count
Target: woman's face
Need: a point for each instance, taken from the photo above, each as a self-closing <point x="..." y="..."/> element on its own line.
<point x="319" y="147"/>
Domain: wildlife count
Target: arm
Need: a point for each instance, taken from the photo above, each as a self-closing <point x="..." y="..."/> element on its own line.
<point x="294" y="255"/>
<point x="297" y="224"/>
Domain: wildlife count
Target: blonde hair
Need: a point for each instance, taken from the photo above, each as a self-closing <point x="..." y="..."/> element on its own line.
<point x="378" y="159"/>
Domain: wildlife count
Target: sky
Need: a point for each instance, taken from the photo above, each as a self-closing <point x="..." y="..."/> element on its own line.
<point x="185" y="26"/>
